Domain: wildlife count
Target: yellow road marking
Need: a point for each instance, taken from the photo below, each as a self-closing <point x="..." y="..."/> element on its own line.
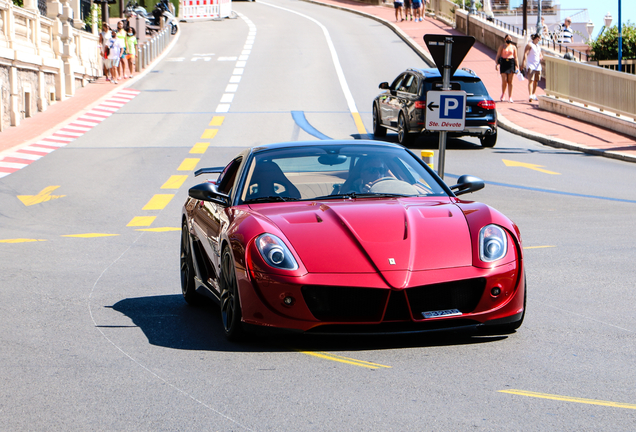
<point x="537" y="247"/>
<point x="161" y="229"/>
<point x="346" y="360"/>
<point x="21" y="240"/>
<point x="534" y="167"/>
<point x="199" y="148"/>
<point x="209" y="133"/>
<point x="90" y="235"/>
<point x="188" y="164"/>
<point x="217" y="120"/>
<point x="43" y="196"/>
<point x="569" y="399"/>
<point x="158" y="202"/>
<point x="139" y="221"/>
<point x="174" y="182"/>
<point x="358" y="121"/>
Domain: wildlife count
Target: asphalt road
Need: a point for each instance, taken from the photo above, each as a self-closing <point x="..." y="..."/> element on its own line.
<point x="94" y="334"/>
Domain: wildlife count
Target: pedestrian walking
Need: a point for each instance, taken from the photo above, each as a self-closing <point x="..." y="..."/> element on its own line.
<point x="114" y="57"/>
<point x="507" y="62"/>
<point x="532" y="57"/>
<point x="417" y="9"/>
<point x="121" y="40"/>
<point x="408" y="11"/>
<point x="398" y="5"/>
<point x="131" y="50"/>
<point x="104" y="37"/>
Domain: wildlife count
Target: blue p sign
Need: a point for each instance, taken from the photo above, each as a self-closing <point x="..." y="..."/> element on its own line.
<point x="451" y="108"/>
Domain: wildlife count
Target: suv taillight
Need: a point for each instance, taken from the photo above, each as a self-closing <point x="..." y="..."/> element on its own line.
<point x="420" y="104"/>
<point x="487" y="104"/>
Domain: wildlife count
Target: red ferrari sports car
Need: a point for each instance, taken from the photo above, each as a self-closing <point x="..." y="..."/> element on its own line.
<point x="348" y="237"/>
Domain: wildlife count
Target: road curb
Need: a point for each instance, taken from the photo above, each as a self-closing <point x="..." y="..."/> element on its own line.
<point x="506" y="124"/>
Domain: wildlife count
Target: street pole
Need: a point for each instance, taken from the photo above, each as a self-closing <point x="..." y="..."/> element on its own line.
<point x="539" y="19"/>
<point x="525" y="17"/>
<point x="446" y="78"/>
<point x="620" y="38"/>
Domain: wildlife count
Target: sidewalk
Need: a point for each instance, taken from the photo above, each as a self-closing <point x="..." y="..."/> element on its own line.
<point x="521" y="117"/>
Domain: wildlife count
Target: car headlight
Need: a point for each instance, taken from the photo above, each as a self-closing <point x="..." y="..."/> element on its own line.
<point x="275" y="252"/>
<point x="493" y="243"/>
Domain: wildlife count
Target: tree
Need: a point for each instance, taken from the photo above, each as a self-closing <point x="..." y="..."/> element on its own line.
<point x="605" y="47"/>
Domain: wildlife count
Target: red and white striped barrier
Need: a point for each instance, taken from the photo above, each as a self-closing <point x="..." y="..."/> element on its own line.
<point x="200" y="10"/>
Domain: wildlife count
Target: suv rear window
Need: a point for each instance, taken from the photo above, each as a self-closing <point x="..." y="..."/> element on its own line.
<point x="470" y="86"/>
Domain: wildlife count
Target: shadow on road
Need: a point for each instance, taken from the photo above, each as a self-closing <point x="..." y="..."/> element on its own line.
<point x="169" y="322"/>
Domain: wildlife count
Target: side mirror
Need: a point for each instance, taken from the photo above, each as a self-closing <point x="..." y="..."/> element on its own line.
<point x="207" y="192"/>
<point x="467" y="184"/>
<point x="384" y="86"/>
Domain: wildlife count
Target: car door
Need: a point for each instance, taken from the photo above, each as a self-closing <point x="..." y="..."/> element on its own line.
<point x="408" y="97"/>
<point x="390" y="105"/>
<point x="209" y="218"/>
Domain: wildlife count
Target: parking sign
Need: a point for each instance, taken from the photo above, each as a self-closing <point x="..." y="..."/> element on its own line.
<point x="446" y="110"/>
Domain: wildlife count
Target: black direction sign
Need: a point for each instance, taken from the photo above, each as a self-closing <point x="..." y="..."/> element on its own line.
<point x="436" y="45"/>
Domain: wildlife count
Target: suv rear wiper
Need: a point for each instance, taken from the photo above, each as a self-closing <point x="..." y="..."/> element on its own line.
<point x="269" y="199"/>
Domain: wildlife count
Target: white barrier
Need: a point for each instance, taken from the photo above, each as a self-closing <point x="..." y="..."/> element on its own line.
<point x="200" y="10"/>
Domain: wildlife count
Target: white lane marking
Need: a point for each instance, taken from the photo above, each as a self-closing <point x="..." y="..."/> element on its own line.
<point x="334" y="56"/>
<point x="227" y="98"/>
<point x="231" y="88"/>
<point x="222" y="108"/>
<point x="235" y="79"/>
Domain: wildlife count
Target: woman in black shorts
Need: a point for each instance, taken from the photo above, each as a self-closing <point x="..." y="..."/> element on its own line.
<point x="507" y="63"/>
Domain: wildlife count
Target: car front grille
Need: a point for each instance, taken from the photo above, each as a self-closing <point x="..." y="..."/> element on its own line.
<point x="352" y="304"/>
<point x="334" y="303"/>
<point x="462" y="295"/>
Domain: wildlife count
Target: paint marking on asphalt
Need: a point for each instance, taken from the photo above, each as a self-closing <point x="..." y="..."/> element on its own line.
<point x="174" y="182"/>
<point x="160" y="229"/>
<point x="188" y="164"/>
<point x="90" y="235"/>
<point x="21" y="240"/>
<point x="569" y="399"/>
<point x="538" y="247"/>
<point x="209" y="133"/>
<point x="346" y="360"/>
<point x="199" y="148"/>
<point x="158" y="202"/>
<point x="140" y="221"/>
<point x="43" y="196"/>
<point x="533" y="167"/>
<point x="65" y="135"/>
<point x="217" y="121"/>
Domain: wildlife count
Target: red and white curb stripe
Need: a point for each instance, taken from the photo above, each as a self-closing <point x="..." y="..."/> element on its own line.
<point x="14" y="160"/>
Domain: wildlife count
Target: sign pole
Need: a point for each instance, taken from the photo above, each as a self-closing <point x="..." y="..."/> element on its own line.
<point x="446" y="77"/>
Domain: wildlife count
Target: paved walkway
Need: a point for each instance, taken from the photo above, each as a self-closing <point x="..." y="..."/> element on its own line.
<point x="520" y="117"/>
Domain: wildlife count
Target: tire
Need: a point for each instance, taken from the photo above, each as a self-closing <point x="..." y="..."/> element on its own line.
<point x="378" y="130"/>
<point x="173" y="30"/>
<point x="230" y="305"/>
<point x="188" y="285"/>
<point x="404" y="137"/>
<point x="488" y="140"/>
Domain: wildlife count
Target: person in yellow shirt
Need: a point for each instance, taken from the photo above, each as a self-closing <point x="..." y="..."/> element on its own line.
<point x="131" y="50"/>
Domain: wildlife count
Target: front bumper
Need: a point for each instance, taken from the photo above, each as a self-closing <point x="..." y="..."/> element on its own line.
<point x="364" y="304"/>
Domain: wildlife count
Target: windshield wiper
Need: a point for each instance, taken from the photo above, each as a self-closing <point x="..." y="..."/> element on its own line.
<point x="269" y="199"/>
<point x="355" y="195"/>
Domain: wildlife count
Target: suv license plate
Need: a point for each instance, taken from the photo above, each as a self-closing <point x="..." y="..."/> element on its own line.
<point x="441" y="313"/>
<point x="469" y="108"/>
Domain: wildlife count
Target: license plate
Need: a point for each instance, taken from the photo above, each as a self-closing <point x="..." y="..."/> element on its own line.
<point x="469" y="108"/>
<point x="441" y="313"/>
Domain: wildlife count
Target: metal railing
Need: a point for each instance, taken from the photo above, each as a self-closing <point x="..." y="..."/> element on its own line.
<point x="151" y="49"/>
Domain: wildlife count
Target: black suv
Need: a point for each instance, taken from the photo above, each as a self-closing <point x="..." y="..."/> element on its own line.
<point x="402" y="107"/>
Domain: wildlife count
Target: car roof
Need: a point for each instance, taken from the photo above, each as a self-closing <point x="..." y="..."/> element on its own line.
<point x="325" y="143"/>
<point x="434" y="73"/>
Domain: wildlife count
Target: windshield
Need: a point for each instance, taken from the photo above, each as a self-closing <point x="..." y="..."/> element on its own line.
<point x="332" y="172"/>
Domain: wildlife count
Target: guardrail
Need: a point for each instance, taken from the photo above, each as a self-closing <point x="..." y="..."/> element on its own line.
<point x="605" y="89"/>
<point x="628" y="66"/>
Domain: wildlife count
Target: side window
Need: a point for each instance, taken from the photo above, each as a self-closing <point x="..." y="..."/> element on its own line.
<point x="397" y="83"/>
<point x="227" y="177"/>
<point x="414" y="85"/>
<point x="406" y="83"/>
